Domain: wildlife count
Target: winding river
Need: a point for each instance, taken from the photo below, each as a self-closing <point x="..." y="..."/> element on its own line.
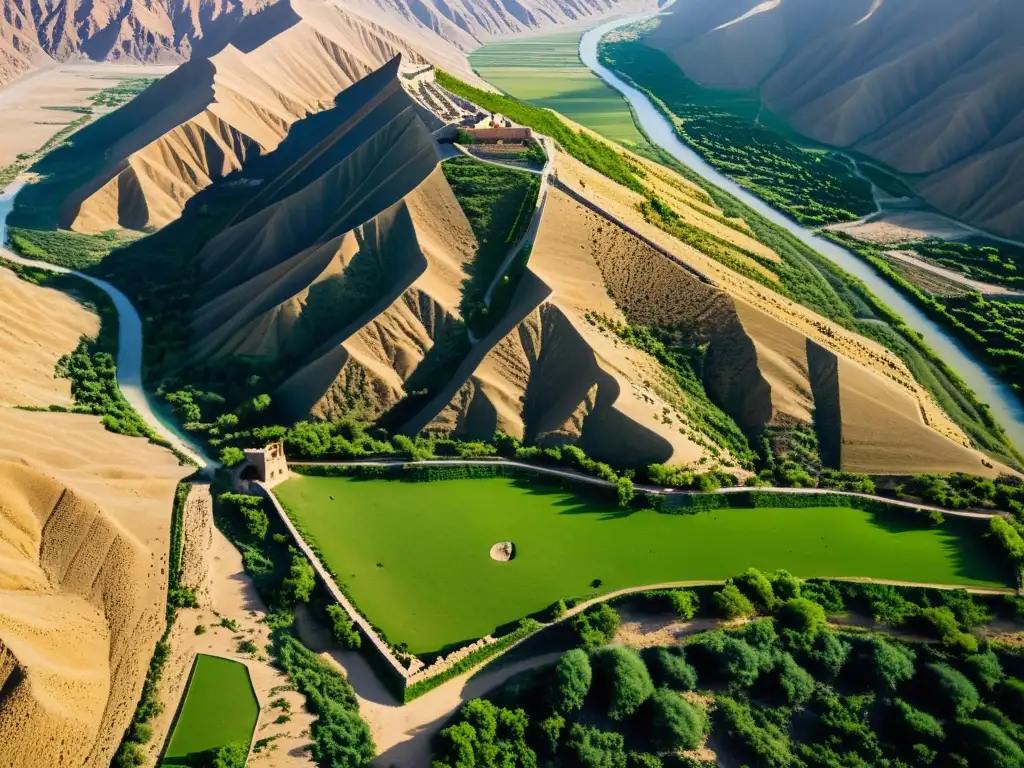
<point x="1006" y="407"/>
<point x="129" y="342"/>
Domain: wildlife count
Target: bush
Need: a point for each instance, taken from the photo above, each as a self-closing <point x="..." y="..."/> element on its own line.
<point x="596" y="626"/>
<point x="726" y="658"/>
<point x="730" y="603"/>
<point x="594" y="748"/>
<point x="625" y="491"/>
<point x="1011" y="696"/>
<point x="793" y="681"/>
<point x="824" y="593"/>
<point x="756" y="586"/>
<point x="785" y="585"/>
<point x="951" y="692"/>
<point x="942" y="624"/>
<point x="624" y="681"/>
<point x="827" y="655"/>
<point x="572" y="679"/>
<point x="888" y="664"/>
<point x="669" y="667"/>
<point x="485" y="736"/>
<point x="675" y="724"/>
<point x="298" y="585"/>
<point x="231" y="755"/>
<point x="986" y="744"/>
<point x="231" y="456"/>
<point x="685" y="602"/>
<point x="984" y="670"/>
<point x="342" y="628"/>
<point x="803" y="617"/>
<point x="909" y="726"/>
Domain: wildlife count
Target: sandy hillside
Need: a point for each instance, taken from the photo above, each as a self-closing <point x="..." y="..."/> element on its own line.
<point x="84" y="518"/>
<point x="930" y="87"/>
<point x="37" y="326"/>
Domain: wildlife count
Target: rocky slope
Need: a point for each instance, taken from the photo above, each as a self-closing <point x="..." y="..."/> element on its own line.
<point x="930" y="87"/>
<point x="32" y="34"/>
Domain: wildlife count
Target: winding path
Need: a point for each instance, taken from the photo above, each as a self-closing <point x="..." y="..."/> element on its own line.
<point x="129" y="344"/>
<point x="656" y="490"/>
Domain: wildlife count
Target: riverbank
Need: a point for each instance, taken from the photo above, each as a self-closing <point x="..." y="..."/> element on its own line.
<point x="932" y="340"/>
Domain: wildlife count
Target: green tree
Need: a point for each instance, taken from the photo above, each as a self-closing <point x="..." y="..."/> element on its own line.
<point x="952" y="693"/>
<point x="685" y="602"/>
<point x="624" y="680"/>
<point x="298" y="586"/>
<point x="793" y="681"/>
<point x="231" y="755"/>
<point x="596" y="626"/>
<point x="594" y="748"/>
<point x="625" y="490"/>
<point x="984" y="670"/>
<point x="674" y="723"/>
<point x="551" y="731"/>
<point x="889" y="664"/>
<point x="668" y="666"/>
<point x="756" y="586"/>
<point x="1011" y="696"/>
<point x="785" y="585"/>
<point x="730" y="603"/>
<point x="572" y="679"/>
<point x="231" y="456"/>
<point x="827" y="655"/>
<point x="984" y="743"/>
<point x="342" y="628"/>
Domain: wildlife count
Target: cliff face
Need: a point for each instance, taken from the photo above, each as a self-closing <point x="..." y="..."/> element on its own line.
<point x="930" y="87"/>
<point x="167" y="31"/>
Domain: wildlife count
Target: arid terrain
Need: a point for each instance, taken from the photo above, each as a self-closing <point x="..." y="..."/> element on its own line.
<point x="929" y="88"/>
<point x="84" y="518"/>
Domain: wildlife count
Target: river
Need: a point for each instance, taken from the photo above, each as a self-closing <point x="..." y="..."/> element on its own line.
<point x="129" y="343"/>
<point x="1006" y="407"/>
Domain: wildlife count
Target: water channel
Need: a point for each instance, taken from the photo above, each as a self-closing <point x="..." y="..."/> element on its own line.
<point x="1006" y="407"/>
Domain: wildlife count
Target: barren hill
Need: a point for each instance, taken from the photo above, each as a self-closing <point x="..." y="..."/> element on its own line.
<point x="168" y="31"/>
<point x="930" y="87"/>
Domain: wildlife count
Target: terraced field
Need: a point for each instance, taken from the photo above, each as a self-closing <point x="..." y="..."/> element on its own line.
<point x="415" y="556"/>
<point x="546" y="71"/>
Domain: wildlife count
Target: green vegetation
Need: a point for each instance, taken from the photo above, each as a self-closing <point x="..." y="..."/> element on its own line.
<point x="785" y="691"/>
<point x="983" y="260"/>
<point x="436" y="586"/>
<point x="220" y="708"/>
<point x="734" y="133"/>
<point x="587" y="150"/>
<point x="547" y="71"/>
<point x="499" y="203"/>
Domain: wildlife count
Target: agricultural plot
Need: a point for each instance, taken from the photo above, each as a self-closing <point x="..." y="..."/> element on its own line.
<point x="547" y="71"/>
<point x="416" y="557"/>
<point x="220" y="708"/>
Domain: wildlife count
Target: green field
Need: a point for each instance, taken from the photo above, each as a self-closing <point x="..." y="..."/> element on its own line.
<point x="546" y="71"/>
<point x="415" y="556"/>
<point x="220" y="708"/>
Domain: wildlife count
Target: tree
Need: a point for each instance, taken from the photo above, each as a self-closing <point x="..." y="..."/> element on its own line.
<point x="298" y="585"/>
<point x="572" y="679"/>
<point x="625" y="681"/>
<point x="593" y="748"/>
<point x="727" y="658"/>
<point x="952" y="693"/>
<point x="486" y="736"/>
<point x="888" y="663"/>
<point x="596" y="626"/>
<point x="626" y="491"/>
<point x="802" y="620"/>
<point x="984" y="743"/>
<point x="260" y="403"/>
<point x="827" y="654"/>
<point x="231" y="456"/>
<point x="756" y="587"/>
<point x="1011" y="696"/>
<point x="908" y="726"/>
<point x="685" y="602"/>
<point x="343" y="629"/>
<point x="674" y="723"/>
<point x="551" y="729"/>
<point x="984" y="670"/>
<point x="668" y="666"/>
<point x="794" y="682"/>
<point x="730" y="603"/>
<point x="941" y="623"/>
<point x="785" y="585"/>
<point x="231" y="755"/>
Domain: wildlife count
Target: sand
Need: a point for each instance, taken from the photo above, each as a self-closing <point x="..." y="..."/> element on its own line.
<point x="26" y="123"/>
<point x="215" y="567"/>
<point x="901" y="227"/>
<point x="37" y="326"/>
<point x="83" y="534"/>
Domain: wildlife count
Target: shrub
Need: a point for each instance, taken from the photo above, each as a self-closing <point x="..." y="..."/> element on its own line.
<point x="756" y="587"/>
<point x="794" y="682"/>
<point x="625" y="491"/>
<point x="730" y="603"/>
<point x="594" y="748"/>
<point x="298" y="585"/>
<point x="827" y="654"/>
<point x="596" y="626"/>
<point x="675" y="724"/>
<point x="952" y="693"/>
<point x="912" y="726"/>
<point x="342" y="628"/>
<point x="984" y="670"/>
<point x="484" y="736"/>
<point x="624" y="680"/>
<point x="572" y="679"/>
<point x="986" y="744"/>
<point x="727" y="658"/>
<point x="888" y="664"/>
<point x="231" y="755"/>
<point x="669" y="667"/>
<point x="256" y="522"/>
<point x="760" y="634"/>
<point x="942" y="624"/>
<point x="231" y="456"/>
<point x="824" y="593"/>
<point x="1011" y="696"/>
<point x="685" y="602"/>
<point x="803" y="617"/>
<point x="785" y="585"/>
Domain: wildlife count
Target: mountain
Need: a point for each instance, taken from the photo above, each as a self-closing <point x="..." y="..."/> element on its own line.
<point x="167" y="31"/>
<point x="932" y="88"/>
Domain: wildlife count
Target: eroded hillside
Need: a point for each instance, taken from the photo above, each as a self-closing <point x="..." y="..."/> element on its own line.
<point x="929" y="88"/>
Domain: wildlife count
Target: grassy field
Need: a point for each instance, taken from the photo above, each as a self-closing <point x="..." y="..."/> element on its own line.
<point x="415" y="556"/>
<point x="546" y="71"/>
<point x="220" y="708"/>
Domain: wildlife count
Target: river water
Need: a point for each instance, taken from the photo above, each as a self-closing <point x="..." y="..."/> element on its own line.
<point x="1006" y="407"/>
<point x="129" y="343"/>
